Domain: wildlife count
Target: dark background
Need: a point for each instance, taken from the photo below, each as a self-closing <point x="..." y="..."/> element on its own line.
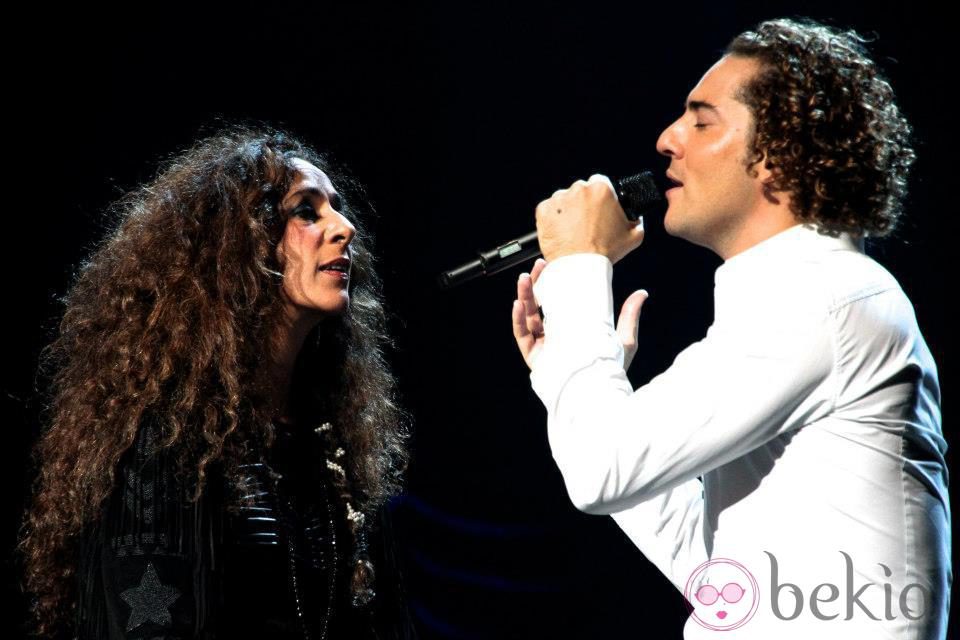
<point x="458" y="118"/>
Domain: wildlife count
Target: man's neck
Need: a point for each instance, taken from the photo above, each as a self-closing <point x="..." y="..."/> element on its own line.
<point x="754" y="235"/>
<point x="770" y="216"/>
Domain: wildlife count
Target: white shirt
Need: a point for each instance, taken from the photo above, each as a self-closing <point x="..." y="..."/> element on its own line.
<point x="811" y="411"/>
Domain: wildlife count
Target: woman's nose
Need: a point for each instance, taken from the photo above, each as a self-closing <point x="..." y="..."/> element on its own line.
<point x="341" y="229"/>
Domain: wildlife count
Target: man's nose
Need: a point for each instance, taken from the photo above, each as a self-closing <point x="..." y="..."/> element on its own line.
<point x="668" y="143"/>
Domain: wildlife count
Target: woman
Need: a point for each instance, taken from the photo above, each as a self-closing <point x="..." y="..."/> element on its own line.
<point x="222" y="425"/>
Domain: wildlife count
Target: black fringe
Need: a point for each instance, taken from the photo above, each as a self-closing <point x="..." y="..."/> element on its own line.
<point x="149" y="513"/>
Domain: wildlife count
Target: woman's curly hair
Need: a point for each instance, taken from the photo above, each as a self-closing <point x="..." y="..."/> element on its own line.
<point x="173" y="316"/>
<point x="827" y="121"/>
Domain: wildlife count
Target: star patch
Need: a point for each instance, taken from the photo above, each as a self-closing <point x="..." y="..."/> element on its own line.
<point x="150" y="601"/>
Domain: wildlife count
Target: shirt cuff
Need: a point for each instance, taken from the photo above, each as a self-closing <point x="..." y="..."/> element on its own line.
<point x="576" y="288"/>
<point x="577" y="301"/>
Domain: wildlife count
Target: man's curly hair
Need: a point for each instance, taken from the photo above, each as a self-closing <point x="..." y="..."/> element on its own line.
<point x="827" y="121"/>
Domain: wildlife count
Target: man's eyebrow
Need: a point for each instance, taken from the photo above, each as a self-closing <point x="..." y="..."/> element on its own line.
<point x="697" y="105"/>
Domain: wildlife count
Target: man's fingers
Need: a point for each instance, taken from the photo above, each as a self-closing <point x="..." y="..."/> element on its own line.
<point x="531" y="309"/>
<point x="520" y="330"/>
<point x="538" y="267"/>
<point x="629" y="318"/>
<point x="599" y="177"/>
<point x="628" y="322"/>
<point x="526" y="341"/>
<point x="525" y="291"/>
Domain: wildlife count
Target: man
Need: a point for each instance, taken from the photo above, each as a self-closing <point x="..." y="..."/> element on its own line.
<point x="786" y="473"/>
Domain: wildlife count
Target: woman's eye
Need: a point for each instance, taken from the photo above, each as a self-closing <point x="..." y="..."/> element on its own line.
<point x="699" y="126"/>
<point x="305" y="211"/>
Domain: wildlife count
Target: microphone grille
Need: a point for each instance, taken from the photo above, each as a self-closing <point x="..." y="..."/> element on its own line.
<point x="639" y="195"/>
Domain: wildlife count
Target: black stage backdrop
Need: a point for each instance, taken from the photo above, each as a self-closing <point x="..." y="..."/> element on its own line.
<point x="459" y="118"/>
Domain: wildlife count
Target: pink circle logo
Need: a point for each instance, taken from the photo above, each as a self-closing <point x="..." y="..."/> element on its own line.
<point x="722" y="595"/>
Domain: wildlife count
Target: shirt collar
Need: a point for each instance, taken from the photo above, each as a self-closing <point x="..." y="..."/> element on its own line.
<point x="798" y="241"/>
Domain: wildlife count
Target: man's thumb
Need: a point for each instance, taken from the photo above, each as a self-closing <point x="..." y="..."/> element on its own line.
<point x="629" y="318"/>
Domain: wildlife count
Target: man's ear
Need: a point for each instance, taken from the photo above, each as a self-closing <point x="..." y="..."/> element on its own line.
<point x="763" y="172"/>
<point x="765" y="176"/>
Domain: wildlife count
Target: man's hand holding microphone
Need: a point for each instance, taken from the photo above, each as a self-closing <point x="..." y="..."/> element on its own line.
<point x="584" y="218"/>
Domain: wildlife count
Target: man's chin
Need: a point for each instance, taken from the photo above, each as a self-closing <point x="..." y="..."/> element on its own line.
<point x="672" y="226"/>
<point x="686" y="232"/>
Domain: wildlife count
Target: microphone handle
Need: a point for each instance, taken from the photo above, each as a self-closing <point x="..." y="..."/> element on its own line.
<point x="527" y="247"/>
<point x="493" y="261"/>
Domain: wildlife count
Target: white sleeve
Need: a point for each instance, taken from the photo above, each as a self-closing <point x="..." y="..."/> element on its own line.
<point x="723" y="396"/>
<point x="668" y="530"/>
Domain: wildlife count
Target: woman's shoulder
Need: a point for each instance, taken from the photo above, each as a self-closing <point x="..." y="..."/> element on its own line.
<point x="140" y="560"/>
<point x="153" y="497"/>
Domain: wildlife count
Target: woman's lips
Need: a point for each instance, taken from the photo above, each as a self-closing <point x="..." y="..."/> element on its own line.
<point x="333" y="273"/>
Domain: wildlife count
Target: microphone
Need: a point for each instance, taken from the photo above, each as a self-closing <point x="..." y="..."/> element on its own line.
<point x="639" y="195"/>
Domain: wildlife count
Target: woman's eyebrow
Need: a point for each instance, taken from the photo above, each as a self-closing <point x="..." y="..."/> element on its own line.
<point x="332" y="196"/>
